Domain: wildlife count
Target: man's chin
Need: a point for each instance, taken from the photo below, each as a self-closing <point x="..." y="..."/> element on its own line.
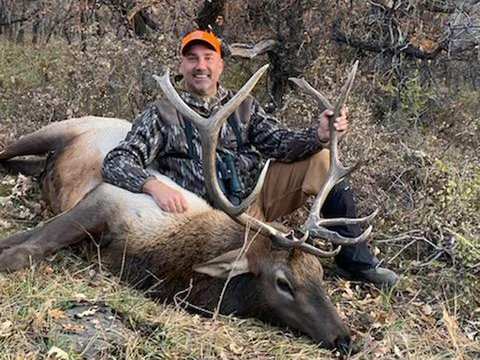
<point x="203" y="90"/>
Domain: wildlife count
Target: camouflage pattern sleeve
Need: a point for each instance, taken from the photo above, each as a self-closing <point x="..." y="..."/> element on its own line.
<point x="278" y="142"/>
<point x="125" y="165"/>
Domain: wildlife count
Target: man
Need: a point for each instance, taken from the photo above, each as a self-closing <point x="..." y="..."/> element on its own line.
<point x="161" y="134"/>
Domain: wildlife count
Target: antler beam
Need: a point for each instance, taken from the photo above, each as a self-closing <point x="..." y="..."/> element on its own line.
<point x="337" y="172"/>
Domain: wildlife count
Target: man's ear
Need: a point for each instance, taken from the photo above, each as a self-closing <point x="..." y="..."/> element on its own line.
<point x="223" y="265"/>
<point x="222" y="61"/>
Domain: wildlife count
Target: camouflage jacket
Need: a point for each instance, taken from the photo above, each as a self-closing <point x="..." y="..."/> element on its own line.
<point x="158" y="138"/>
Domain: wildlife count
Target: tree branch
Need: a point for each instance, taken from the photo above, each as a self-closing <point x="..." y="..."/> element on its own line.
<point x="249" y="51"/>
<point x="446" y="7"/>
<point x="406" y="47"/>
<point x="11" y="22"/>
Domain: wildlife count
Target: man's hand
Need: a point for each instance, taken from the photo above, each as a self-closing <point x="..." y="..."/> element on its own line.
<point x="340" y="124"/>
<point x="169" y="199"/>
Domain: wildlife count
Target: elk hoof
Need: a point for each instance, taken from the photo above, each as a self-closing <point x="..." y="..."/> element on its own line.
<point x="15" y="259"/>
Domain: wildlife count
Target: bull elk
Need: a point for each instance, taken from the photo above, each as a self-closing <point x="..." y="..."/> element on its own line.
<point x="273" y="275"/>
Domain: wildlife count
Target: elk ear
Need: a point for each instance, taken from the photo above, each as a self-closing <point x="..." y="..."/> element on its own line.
<point x="222" y="265"/>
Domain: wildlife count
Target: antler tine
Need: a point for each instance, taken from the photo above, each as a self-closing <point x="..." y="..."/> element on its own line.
<point x="221" y="116"/>
<point x="340" y="103"/>
<point x="176" y="100"/>
<point x="336" y="172"/>
<point x="208" y="130"/>
<point x="309" y="89"/>
<point x="349" y="221"/>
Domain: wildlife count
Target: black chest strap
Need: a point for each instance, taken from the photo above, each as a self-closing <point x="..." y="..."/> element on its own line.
<point x="189" y="134"/>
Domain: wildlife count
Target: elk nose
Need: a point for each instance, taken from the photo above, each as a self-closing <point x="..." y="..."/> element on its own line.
<point x="342" y="344"/>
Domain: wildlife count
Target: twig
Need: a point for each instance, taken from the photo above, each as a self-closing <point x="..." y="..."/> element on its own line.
<point x="183" y="301"/>
<point x="432" y="258"/>
<point x="188" y="304"/>
<point x="401" y="251"/>
<point x="124" y="256"/>
<point x="403" y="236"/>
<point x="159" y="281"/>
<point x="97" y="244"/>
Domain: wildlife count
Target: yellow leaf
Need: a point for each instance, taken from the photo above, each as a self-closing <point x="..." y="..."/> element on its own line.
<point x="5" y="328"/>
<point x="452" y="326"/>
<point x="236" y="349"/>
<point x="57" y="314"/>
<point x="88" y="312"/>
<point x="56" y="353"/>
<point x="427" y="309"/>
<point x="73" y="327"/>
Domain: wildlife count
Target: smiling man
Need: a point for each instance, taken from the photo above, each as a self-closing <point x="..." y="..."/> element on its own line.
<point x="163" y="136"/>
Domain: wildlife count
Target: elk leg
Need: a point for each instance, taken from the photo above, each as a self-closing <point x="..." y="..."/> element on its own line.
<point x="29" y="167"/>
<point x="17" y="238"/>
<point x="70" y="227"/>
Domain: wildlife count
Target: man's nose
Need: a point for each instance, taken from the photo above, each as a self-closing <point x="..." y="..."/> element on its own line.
<point x="201" y="64"/>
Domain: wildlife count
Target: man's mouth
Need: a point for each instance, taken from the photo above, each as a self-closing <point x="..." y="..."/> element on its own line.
<point x="201" y="76"/>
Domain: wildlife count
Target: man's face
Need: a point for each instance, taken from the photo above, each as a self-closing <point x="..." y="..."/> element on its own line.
<point x="201" y="67"/>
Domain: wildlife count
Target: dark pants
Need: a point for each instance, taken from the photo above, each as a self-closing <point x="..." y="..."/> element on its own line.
<point x="340" y="203"/>
<point x="288" y="186"/>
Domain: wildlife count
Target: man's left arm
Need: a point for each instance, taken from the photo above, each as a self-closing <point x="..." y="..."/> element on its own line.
<point x="288" y="145"/>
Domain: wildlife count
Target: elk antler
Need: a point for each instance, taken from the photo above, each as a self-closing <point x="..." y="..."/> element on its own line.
<point x="314" y="224"/>
<point x="208" y="130"/>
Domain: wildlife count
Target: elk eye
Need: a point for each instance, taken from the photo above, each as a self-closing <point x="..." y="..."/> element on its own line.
<point x="285" y="287"/>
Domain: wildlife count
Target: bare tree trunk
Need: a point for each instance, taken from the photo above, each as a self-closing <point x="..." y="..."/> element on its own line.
<point x="21" y="26"/>
<point x="83" y="25"/>
<point x="289" y="56"/>
<point x="35" y="30"/>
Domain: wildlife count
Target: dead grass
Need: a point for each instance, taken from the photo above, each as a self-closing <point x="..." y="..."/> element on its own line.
<point x="411" y="322"/>
<point x="32" y="297"/>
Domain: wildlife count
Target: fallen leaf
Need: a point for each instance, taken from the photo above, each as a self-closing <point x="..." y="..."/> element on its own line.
<point x="471" y="335"/>
<point x="57" y="314"/>
<point x="80" y="297"/>
<point x="57" y="353"/>
<point x="427" y="309"/>
<point x="48" y="270"/>
<point x="88" y="312"/>
<point x="3" y="223"/>
<point x="236" y="349"/>
<point x="73" y="327"/>
<point x="381" y="318"/>
<point x="6" y="328"/>
<point x="451" y="325"/>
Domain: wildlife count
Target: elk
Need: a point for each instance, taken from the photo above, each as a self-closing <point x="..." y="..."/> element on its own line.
<point x="273" y="275"/>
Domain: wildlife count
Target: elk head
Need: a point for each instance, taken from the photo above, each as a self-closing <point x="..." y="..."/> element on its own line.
<point x="285" y="267"/>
